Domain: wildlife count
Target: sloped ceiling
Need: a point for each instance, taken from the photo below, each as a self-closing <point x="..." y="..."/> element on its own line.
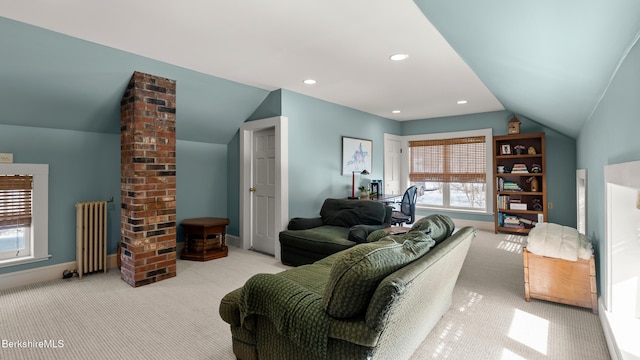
<point x="549" y="61"/>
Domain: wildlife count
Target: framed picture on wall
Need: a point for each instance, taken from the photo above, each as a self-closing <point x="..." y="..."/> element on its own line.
<point x="356" y="155"/>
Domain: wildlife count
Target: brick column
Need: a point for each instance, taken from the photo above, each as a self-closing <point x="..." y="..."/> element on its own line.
<point x="148" y="180"/>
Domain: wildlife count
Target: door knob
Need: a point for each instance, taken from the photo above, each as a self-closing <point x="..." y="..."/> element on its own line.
<point x="252" y="189"/>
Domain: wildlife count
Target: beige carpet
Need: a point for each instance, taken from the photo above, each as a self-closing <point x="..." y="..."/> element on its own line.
<point x="489" y="318"/>
<point x="101" y="317"/>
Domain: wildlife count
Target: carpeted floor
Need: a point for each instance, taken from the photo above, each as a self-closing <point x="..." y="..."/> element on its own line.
<point x="489" y="318"/>
<point x="101" y="317"/>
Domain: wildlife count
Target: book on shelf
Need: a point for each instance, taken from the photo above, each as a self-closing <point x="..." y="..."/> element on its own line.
<point x="513" y="221"/>
<point x="519" y="169"/>
<point x="503" y="201"/>
<point x="511" y="186"/>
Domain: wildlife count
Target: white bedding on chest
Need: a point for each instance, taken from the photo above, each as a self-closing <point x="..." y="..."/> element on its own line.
<point x="557" y="241"/>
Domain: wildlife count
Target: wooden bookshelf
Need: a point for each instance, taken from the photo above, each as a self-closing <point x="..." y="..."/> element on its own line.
<point x="516" y="189"/>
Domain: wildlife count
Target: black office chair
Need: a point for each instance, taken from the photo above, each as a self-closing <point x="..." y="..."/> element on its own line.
<point x="407" y="213"/>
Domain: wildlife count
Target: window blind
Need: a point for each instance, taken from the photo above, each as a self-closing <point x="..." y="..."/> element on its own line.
<point x="460" y="160"/>
<point x="15" y="200"/>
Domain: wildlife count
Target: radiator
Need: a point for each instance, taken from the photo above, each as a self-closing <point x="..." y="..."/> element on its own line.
<point x="91" y="237"/>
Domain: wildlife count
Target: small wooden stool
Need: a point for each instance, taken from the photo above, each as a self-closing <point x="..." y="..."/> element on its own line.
<point x="204" y="238"/>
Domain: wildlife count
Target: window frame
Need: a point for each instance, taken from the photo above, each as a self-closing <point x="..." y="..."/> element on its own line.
<point x="488" y="135"/>
<point x="39" y="234"/>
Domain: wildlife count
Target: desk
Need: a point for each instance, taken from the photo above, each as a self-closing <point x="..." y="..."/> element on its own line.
<point x="388" y="198"/>
<point x="204" y="238"/>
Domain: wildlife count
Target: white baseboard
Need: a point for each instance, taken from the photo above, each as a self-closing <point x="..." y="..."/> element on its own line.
<point x="32" y="276"/>
<point x="44" y="273"/>
<point x="233" y="240"/>
<point x="614" y="352"/>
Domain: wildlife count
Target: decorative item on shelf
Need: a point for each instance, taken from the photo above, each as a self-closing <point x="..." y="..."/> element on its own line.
<point x="376" y="186"/>
<point x="353" y="183"/>
<point x="519" y="149"/>
<point x="505" y="149"/>
<point x="533" y="181"/>
<point x="531" y="150"/>
<point x="364" y="193"/>
<point x="500" y="169"/>
<point x="514" y="126"/>
<point x="536" y="168"/>
<point x="536" y="205"/>
<point x="528" y="222"/>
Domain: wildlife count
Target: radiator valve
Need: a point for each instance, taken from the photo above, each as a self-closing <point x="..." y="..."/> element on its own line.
<point x="68" y="274"/>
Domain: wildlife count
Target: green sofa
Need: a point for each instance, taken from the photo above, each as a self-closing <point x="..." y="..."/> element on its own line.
<point x="376" y="300"/>
<point x="342" y="224"/>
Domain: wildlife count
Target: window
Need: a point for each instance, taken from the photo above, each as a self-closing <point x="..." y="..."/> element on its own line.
<point x="15" y="215"/>
<point x="451" y="171"/>
<point x="23" y="213"/>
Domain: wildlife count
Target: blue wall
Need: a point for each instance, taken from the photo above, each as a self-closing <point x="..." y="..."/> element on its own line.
<point x="85" y="166"/>
<point x="61" y="96"/>
<point x="61" y="106"/>
<point x="610" y="137"/>
<point x="560" y="158"/>
<point x="316" y="128"/>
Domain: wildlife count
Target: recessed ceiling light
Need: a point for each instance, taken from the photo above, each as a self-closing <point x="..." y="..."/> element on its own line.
<point x="309" y="81"/>
<point x="461" y="102"/>
<point x="398" y="57"/>
<point x="396" y="111"/>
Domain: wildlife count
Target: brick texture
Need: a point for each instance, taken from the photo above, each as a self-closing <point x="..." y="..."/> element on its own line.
<point x="148" y="180"/>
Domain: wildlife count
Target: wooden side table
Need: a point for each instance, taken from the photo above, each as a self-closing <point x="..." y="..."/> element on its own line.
<point x="204" y="238"/>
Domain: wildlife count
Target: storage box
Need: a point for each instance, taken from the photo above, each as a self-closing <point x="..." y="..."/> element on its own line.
<point x="518" y="206"/>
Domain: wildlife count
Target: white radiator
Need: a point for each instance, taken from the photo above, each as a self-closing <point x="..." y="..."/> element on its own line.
<point x="91" y="237"/>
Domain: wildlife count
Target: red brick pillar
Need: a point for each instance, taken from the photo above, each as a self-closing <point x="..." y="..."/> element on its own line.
<point x="148" y="180"/>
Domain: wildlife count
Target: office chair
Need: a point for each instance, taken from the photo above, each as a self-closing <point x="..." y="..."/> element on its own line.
<point x="407" y="213"/>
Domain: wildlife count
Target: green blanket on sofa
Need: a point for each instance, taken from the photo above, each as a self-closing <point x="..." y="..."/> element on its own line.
<point x="300" y="310"/>
<point x="295" y="310"/>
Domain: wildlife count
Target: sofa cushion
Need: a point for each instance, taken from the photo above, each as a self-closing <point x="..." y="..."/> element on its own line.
<point x="299" y="223"/>
<point x="346" y="213"/>
<point x="438" y="226"/>
<point x="357" y="271"/>
<point x="377" y="235"/>
<point x="324" y="239"/>
<point x="359" y="233"/>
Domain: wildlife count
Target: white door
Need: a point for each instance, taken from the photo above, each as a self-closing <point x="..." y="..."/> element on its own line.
<point x="392" y="165"/>
<point x="263" y="190"/>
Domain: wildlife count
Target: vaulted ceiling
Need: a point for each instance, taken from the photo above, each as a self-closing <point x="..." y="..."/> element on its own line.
<point x="548" y="60"/>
